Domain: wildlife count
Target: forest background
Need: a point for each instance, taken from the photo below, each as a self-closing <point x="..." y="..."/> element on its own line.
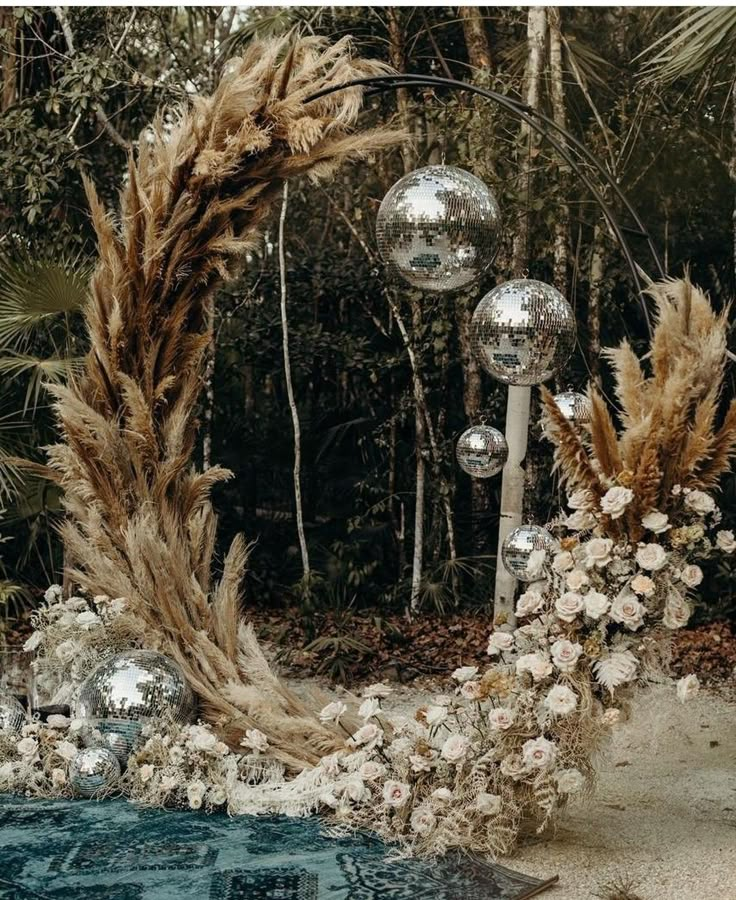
<point x="383" y="377"/>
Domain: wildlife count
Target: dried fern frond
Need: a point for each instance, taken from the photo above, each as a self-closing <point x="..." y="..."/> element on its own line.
<point x="571" y="455"/>
<point x="140" y="524"/>
<point x="603" y="436"/>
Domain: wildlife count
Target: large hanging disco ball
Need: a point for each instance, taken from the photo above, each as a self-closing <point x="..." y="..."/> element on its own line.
<point x="94" y="771"/>
<point x="438" y="228"/>
<point x="574" y="406"/>
<point x="12" y="714"/>
<point x="517" y="549"/>
<point x="523" y="332"/>
<point x="481" y="451"/>
<point x="131" y="688"/>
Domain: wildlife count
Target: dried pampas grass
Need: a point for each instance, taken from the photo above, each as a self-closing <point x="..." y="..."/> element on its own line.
<point x="140" y="524"/>
<point x="669" y="432"/>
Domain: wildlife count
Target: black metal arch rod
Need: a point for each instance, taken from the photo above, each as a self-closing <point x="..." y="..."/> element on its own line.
<point x="541" y="124"/>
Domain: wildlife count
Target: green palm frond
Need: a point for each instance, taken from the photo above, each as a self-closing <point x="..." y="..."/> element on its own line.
<point x="34" y="293"/>
<point x="52" y="369"/>
<point x="704" y="36"/>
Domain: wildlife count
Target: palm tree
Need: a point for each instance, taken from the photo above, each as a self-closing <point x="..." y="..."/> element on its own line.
<point x="702" y="46"/>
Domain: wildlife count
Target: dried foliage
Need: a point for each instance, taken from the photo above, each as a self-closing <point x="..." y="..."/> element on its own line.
<point x="669" y="431"/>
<point x="140" y="524"/>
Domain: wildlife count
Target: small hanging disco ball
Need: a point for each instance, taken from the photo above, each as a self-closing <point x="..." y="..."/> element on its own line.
<point x="438" y="228"/>
<point x="12" y="714"/>
<point x="94" y="771"/>
<point x="574" y="406"/>
<point x="517" y="549"/>
<point x="133" y="687"/>
<point x="523" y="332"/>
<point x="481" y="451"/>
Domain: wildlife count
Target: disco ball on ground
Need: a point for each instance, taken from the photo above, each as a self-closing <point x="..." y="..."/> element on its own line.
<point x="438" y="228"/>
<point x="523" y="332"/>
<point x="12" y="714"/>
<point x="481" y="451"/>
<point x="574" y="406"/>
<point x="94" y="771"/>
<point x="517" y="550"/>
<point x="133" y="687"/>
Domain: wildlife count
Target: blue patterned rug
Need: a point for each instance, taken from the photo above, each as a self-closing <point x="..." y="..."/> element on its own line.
<point x="83" y="850"/>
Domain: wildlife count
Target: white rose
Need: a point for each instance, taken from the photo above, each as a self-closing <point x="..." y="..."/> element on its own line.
<point x="369" y="735"/>
<point x="202" y="739"/>
<point x="421" y="763"/>
<point x="443" y="795"/>
<point x="333" y="711"/>
<point x="700" y="502"/>
<point x="536" y="664"/>
<point x="500" y="642"/>
<point x="66" y="651"/>
<point x="471" y="690"/>
<point x="146" y="773"/>
<point x="422" y="820"/>
<point x="372" y="770"/>
<point x="395" y="793"/>
<point x="169" y="783"/>
<point x="569" y="781"/>
<point x="651" y="556"/>
<point x="58" y="777"/>
<point x="195" y="793"/>
<point x="88" y="619"/>
<point x="538" y="753"/>
<point x="369" y="708"/>
<point x="656" y="522"/>
<point x="501" y="718"/>
<point x="628" y="611"/>
<point x="529" y="603"/>
<point x="582" y="520"/>
<point x="465" y="673"/>
<point x="581" y="499"/>
<point x="643" y="584"/>
<point x="435" y="716"/>
<point x="561" y="701"/>
<point x="568" y="605"/>
<point x="33" y="641"/>
<point x="27" y="746"/>
<point x="58" y="722"/>
<point x="598" y="552"/>
<point x="356" y="790"/>
<point x="379" y="690"/>
<point x="53" y="593"/>
<point x="596" y="604"/>
<point x="676" y="611"/>
<point x="565" y="655"/>
<point x="217" y="796"/>
<point x="576" y="579"/>
<point x="488" y="804"/>
<point x="691" y="576"/>
<point x="513" y="766"/>
<point x="255" y="740"/>
<point x="725" y="541"/>
<point x="615" y="501"/>
<point x="66" y="750"/>
<point x="455" y="748"/>
<point x="687" y="688"/>
<point x="562" y="562"/>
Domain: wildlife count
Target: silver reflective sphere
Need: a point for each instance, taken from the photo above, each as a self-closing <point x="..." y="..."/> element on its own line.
<point x="120" y="744"/>
<point x="518" y="547"/>
<point x="574" y="406"/>
<point x="481" y="451"/>
<point x="133" y="687"/>
<point x="94" y="770"/>
<point x="438" y="228"/>
<point x="12" y="714"/>
<point x="523" y="332"/>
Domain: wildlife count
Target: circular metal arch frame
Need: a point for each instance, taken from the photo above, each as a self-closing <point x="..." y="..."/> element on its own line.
<point x="565" y="143"/>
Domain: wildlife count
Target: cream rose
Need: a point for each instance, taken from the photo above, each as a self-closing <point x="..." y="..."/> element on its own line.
<point x="369" y="708"/>
<point x="598" y="552"/>
<point x="501" y="718"/>
<point x="643" y="584"/>
<point x="596" y="604"/>
<point x="27" y="746"/>
<point x="455" y="748"/>
<point x="565" y="655"/>
<point x="465" y="673"/>
<point x="538" y="753"/>
<point x="369" y="736"/>
<point x="423" y="821"/>
<point x="379" y="690"/>
<point x="146" y="772"/>
<point x="435" y="715"/>
<point x="628" y="611"/>
<point x="568" y="605"/>
<point x="562" y="562"/>
<point x="333" y="711"/>
<point x="488" y="804"/>
<point x="651" y="557"/>
<point x="372" y="770"/>
<point x="725" y="541"/>
<point x="691" y="576"/>
<point x="514" y="766"/>
<point x="255" y="740"/>
<point x="561" y="701"/>
<point x="576" y="579"/>
<point x="536" y="664"/>
<point x="471" y="690"/>
<point x="569" y="781"/>
<point x="581" y="520"/>
<point x="700" y="502"/>
<point x="500" y="642"/>
<point x="676" y="611"/>
<point x="529" y="603"/>
<point x="656" y="522"/>
<point x="581" y="499"/>
<point x="615" y="501"/>
<point x="395" y="793"/>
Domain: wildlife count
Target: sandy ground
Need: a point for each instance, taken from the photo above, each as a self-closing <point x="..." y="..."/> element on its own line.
<point x="664" y="814"/>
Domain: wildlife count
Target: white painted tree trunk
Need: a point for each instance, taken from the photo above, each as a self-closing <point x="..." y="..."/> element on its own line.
<point x="512" y="495"/>
<point x="290" y="393"/>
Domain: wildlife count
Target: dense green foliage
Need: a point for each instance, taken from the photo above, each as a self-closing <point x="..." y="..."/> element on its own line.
<point x="72" y="109"/>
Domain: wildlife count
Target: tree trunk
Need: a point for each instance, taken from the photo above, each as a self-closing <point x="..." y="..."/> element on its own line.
<point x="559" y="113"/>
<point x="536" y="41"/>
<point x="597" y="274"/>
<point x="476" y="38"/>
<point x="733" y="169"/>
<point x="9" y="24"/>
<point x="290" y="393"/>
